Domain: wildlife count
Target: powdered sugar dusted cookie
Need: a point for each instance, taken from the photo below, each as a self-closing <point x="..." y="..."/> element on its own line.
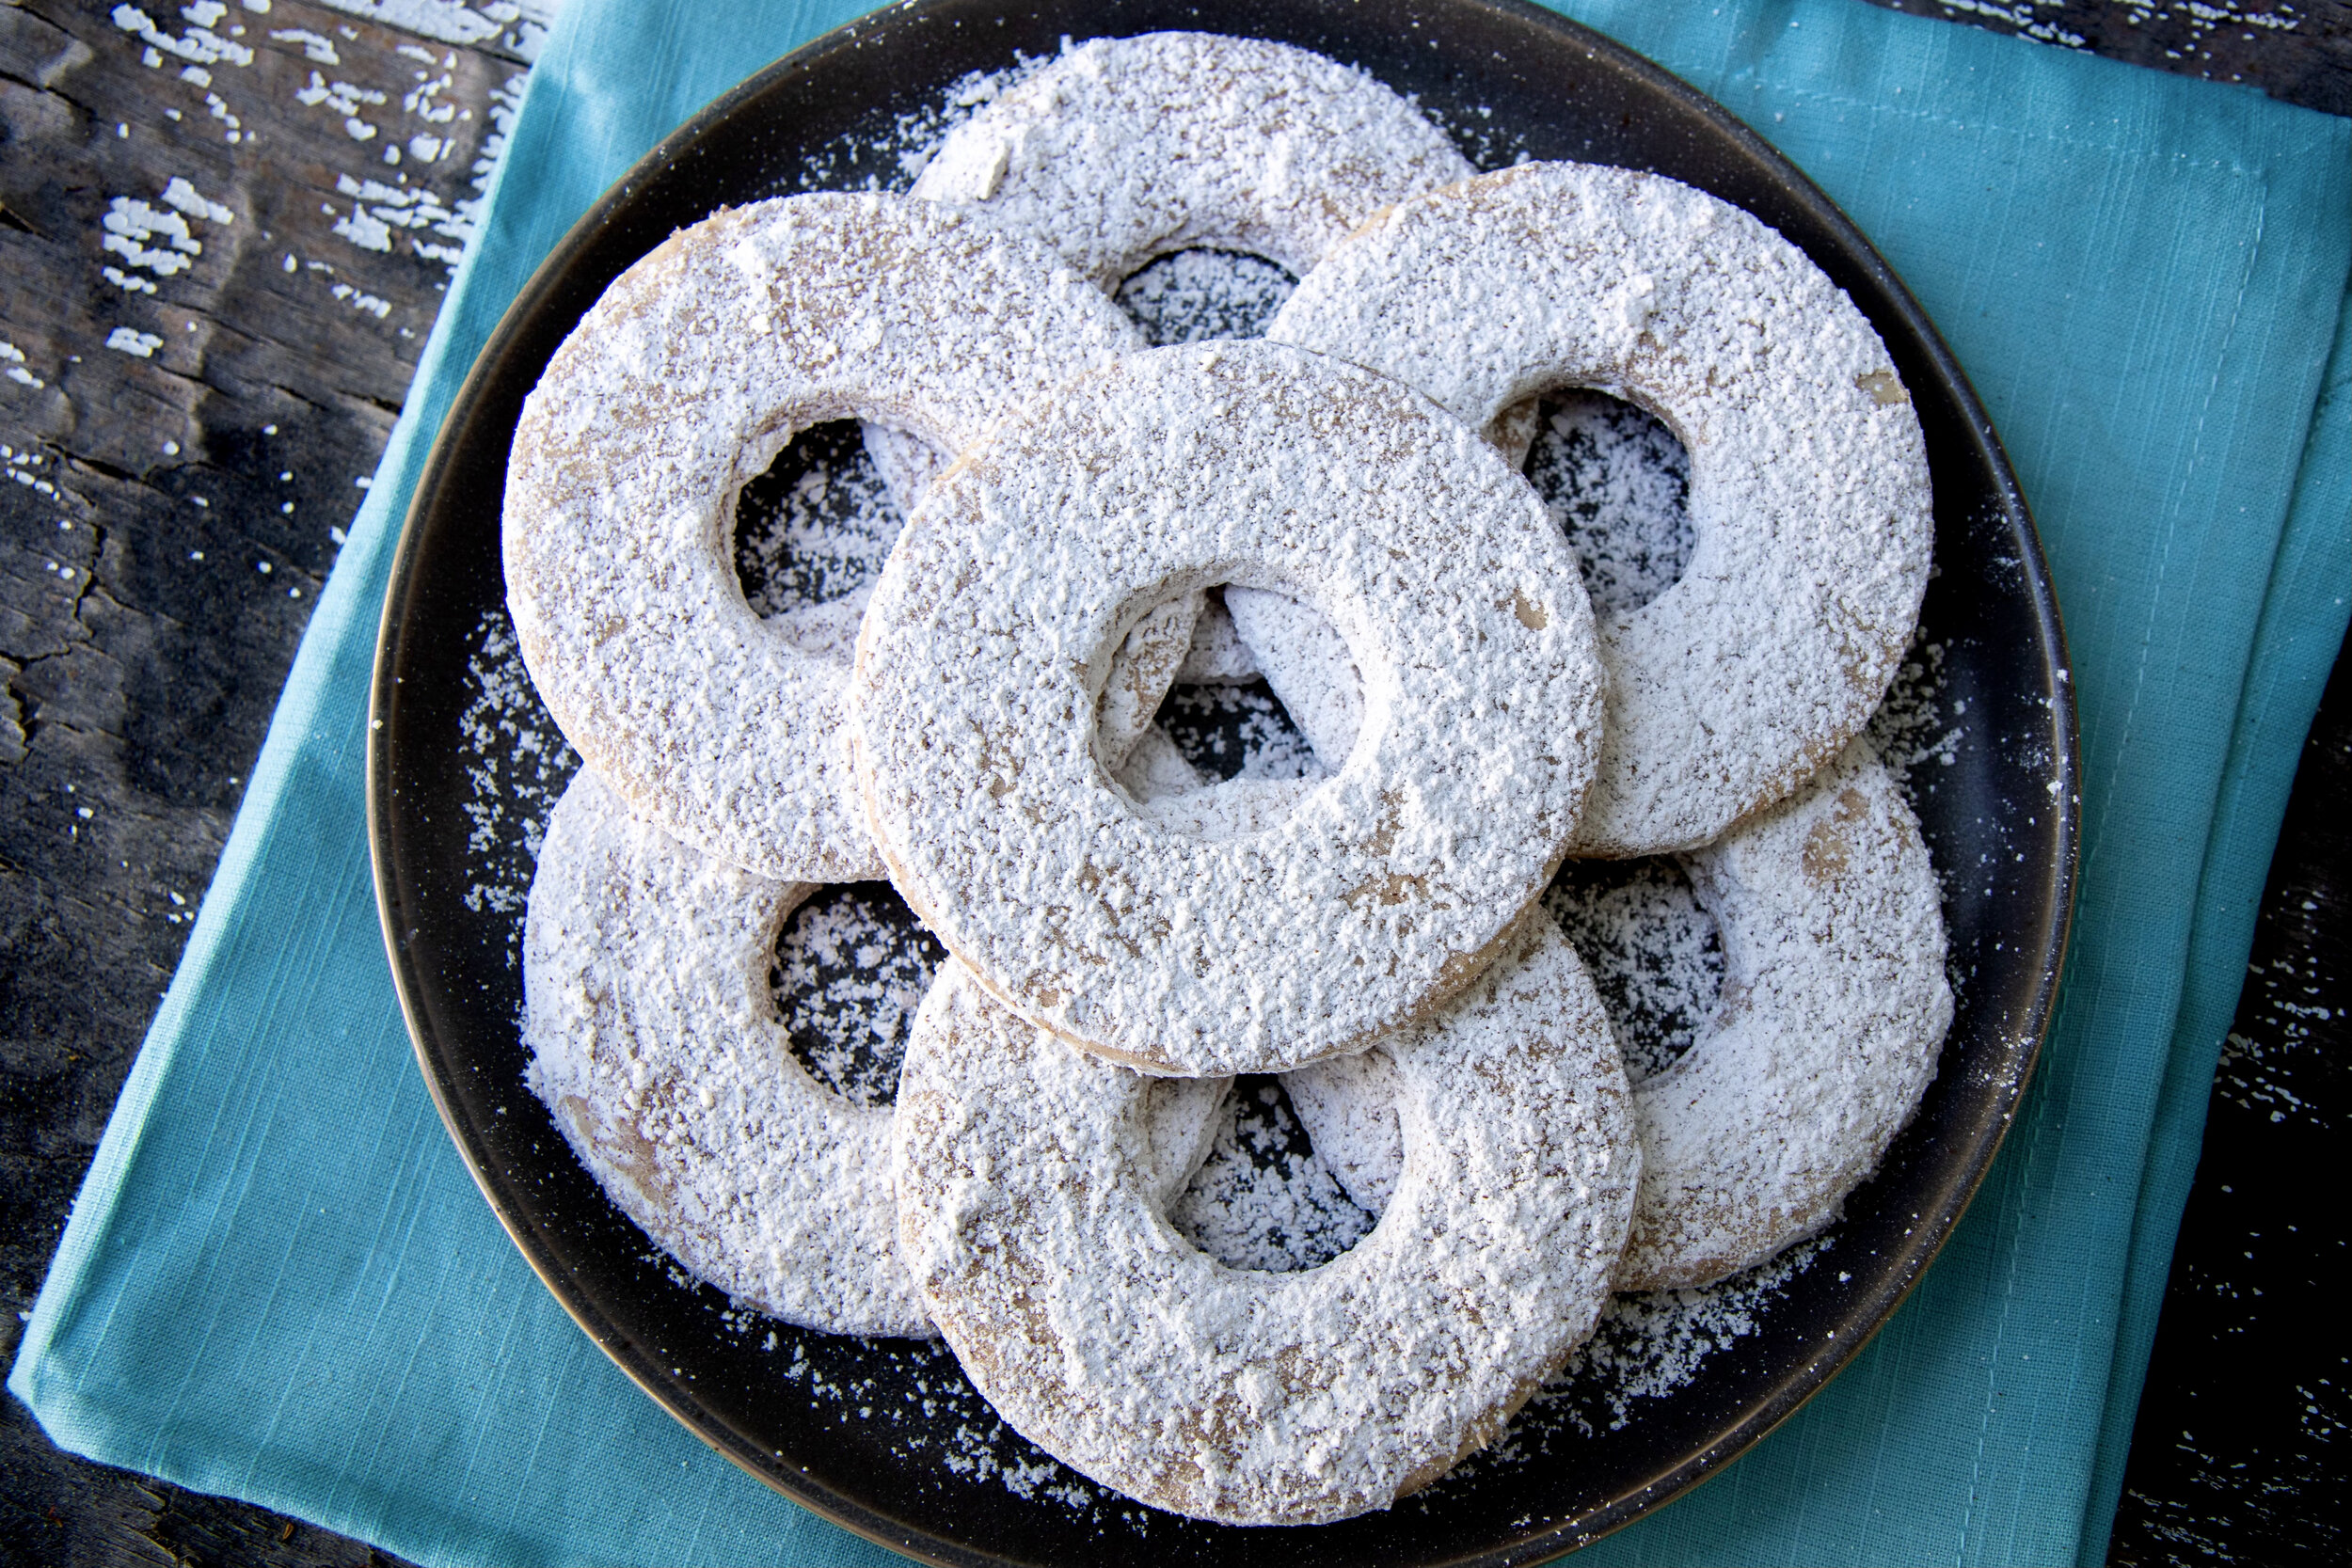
<point x="1306" y="662"/>
<point x="1216" y="655"/>
<point x="1104" y="1337"/>
<point x="1385" y="890"/>
<point x="697" y="365"/>
<point x="1147" y="662"/>
<point x="656" y="1042"/>
<point x="1808" y="493"/>
<point x="1834" y="1010"/>
<point x="1833" y="1013"/>
<point x="1127" y="149"/>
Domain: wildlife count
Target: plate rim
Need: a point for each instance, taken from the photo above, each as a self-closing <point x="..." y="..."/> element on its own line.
<point x="1793" y="1390"/>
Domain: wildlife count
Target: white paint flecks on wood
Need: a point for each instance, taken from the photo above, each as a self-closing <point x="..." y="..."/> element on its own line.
<point x="518" y="25"/>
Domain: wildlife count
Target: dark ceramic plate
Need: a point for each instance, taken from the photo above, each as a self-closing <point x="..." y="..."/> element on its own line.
<point x="885" y="1436"/>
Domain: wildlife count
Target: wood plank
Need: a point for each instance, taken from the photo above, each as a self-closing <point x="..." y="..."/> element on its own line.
<point x="228" y="231"/>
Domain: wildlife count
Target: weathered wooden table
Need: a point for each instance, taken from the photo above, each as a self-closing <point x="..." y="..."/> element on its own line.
<point x="224" y="231"/>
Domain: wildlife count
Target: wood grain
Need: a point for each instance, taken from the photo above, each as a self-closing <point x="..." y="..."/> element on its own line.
<point x="259" y="210"/>
<point x="2296" y="50"/>
<point x="2238" y="1453"/>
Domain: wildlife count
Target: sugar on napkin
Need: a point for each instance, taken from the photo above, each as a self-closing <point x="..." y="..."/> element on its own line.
<point x="279" y="1283"/>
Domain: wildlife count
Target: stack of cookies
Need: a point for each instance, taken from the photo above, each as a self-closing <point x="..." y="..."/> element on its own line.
<point x="1337" y="509"/>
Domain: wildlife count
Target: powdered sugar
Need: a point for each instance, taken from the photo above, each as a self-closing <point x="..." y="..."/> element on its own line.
<point x="889" y="150"/>
<point x="1911" y="732"/>
<point x="1653" y="950"/>
<point x="1619" y="484"/>
<point x="1195" y="295"/>
<point x="1252" y="1397"/>
<point x="816" y="526"/>
<point x="680" y="383"/>
<point x="1263" y="1199"/>
<point x="517" y="764"/>
<point x="1808" y="489"/>
<point x="990" y="630"/>
<point x="1646" y="1347"/>
<point x="1250" y="146"/>
<point x="851" y="965"/>
<point x="1237" y="731"/>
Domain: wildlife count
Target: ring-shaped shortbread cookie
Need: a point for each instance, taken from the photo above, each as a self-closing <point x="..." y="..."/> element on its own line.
<point x="1835" y="1007"/>
<point x="681" y="382"/>
<point x="655" y="1044"/>
<point x="1385" y="891"/>
<point x="1254" y="1398"/>
<point x="1243" y="144"/>
<point x="1123" y="150"/>
<point x="1127" y="149"/>
<point x="1809" y="498"/>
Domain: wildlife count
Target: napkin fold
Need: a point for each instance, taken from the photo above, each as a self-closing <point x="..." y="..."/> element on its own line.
<point x="278" y="1281"/>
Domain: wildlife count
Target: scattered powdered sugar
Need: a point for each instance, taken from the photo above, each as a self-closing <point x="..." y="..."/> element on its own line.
<point x="1652" y="950"/>
<point x="1649" y="1343"/>
<point x="817" y="526"/>
<point x="1909" y="731"/>
<point x="1237" y="731"/>
<point x="889" y="150"/>
<point x="1472" y="128"/>
<point x="1646" y="1348"/>
<point x="851" y="965"/>
<point x="1195" y="296"/>
<point x="917" y="1391"/>
<point x="517" y="765"/>
<point x="1619" y="484"/>
<point x="1917" y="738"/>
<point x="1263" y="1198"/>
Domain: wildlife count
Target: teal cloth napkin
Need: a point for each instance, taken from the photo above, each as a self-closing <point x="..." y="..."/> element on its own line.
<point x="279" y="1282"/>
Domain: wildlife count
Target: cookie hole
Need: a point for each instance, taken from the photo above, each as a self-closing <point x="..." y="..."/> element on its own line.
<point x="1263" y="1199"/>
<point x="850" y="966"/>
<point x="1221" y="722"/>
<point x="1653" y="951"/>
<point x="1618" y="482"/>
<point x="815" y="525"/>
<point x="1236" y="732"/>
<point x="1193" y="296"/>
